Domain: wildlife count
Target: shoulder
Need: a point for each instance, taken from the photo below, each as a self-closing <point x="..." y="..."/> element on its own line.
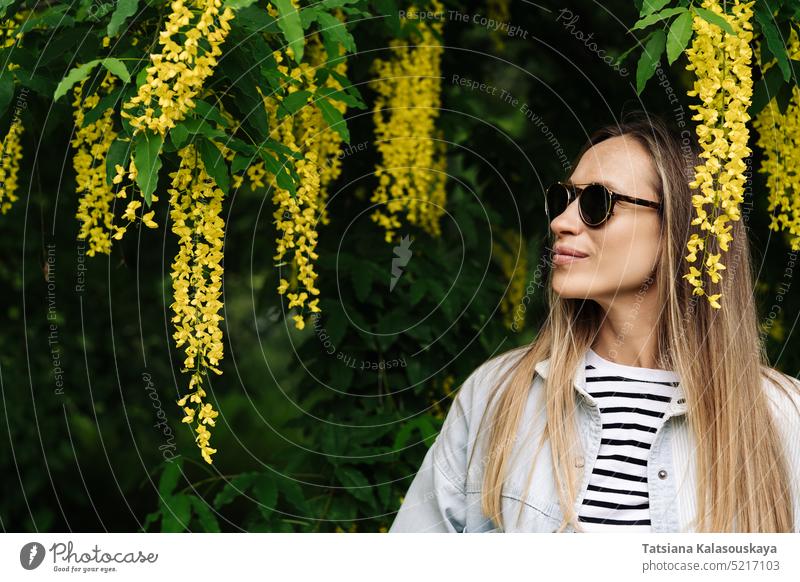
<point x="783" y="392"/>
<point x="479" y="384"/>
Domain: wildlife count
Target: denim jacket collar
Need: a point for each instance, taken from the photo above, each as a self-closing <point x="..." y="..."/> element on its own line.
<point x="677" y="406"/>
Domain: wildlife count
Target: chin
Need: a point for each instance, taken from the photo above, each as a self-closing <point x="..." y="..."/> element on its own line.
<point x="571" y="289"/>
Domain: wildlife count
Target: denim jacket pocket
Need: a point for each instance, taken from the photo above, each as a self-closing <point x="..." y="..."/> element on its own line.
<point x="537" y="513"/>
<point x="533" y="513"/>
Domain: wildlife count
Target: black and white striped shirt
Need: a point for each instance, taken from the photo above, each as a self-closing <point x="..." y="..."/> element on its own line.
<point x="632" y="403"/>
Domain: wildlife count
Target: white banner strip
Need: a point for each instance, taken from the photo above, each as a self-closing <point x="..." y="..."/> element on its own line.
<point x="353" y="557"/>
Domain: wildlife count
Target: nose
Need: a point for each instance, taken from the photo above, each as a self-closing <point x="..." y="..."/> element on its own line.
<point x="568" y="222"/>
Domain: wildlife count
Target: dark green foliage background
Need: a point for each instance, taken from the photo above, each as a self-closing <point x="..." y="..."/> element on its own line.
<point x="306" y="442"/>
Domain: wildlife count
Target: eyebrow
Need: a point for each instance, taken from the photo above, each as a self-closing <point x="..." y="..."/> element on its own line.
<point x="608" y="185"/>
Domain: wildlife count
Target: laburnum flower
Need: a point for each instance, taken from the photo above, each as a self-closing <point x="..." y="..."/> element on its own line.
<point x="178" y="72"/>
<point x="92" y="142"/>
<point x="298" y="215"/>
<point x="779" y="138"/>
<point x="195" y="210"/>
<point x="11" y="152"/>
<point x="723" y="85"/>
<point x="411" y="171"/>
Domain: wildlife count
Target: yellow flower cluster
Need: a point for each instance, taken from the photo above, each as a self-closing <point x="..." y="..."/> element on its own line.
<point x="297" y="217"/>
<point x="8" y="27"/>
<point x="11" y="152"/>
<point x="178" y="72"/>
<point x="779" y="138"/>
<point x="195" y="210"/>
<point x="319" y="138"/>
<point x="96" y="204"/>
<point x="722" y="65"/>
<point x="510" y="252"/>
<point x="411" y="173"/>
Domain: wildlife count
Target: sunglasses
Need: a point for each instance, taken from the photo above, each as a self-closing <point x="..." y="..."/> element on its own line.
<point x="595" y="201"/>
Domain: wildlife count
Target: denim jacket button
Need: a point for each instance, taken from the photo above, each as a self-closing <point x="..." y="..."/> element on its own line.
<point x="662" y="474"/>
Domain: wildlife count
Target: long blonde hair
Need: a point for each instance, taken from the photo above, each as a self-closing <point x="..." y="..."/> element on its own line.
<point x="743" y="482"/>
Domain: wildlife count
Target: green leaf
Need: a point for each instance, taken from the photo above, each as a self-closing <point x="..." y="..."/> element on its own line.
<point x="333" y="118"/>
<point x="207" y="111"/>
<point x="207" y="518"/>
<point x="169" y="478"/>
<point x="148" y="163"/>
<point x="337" y="3"/>
<point x="765" y="90"/>
<point x="293" y="102"/>
<point x="713" y="18"/>
<point x="215" y="164"/>
<point x="773" y="36"/>
<point x="150" y="519"/>
<point x="179" y="135"/>
<point x="293" y="493"/>
<point x="648" y="62"/>
<point x="234" y="488"/>
<point x="3" y="5"/>
<point x="291" y="27"/>
<point x="650" y="6"/>
<point x="658" y="16"/>
<point x="102" y="106"/>
<point x="266" y="493"/>
<point x="678" y="37"/>
<point x="6" y="91"/>
<point x="117" y="67"/>
<point x="362" y="283"/>
<point x="78" y="74"/>
<point x="357" y="485"/>
<point x="239" y="4"/>
<point x="197" y="126"/>
<point x="125" y="9"/>
<point x="175" y="512"/>
<point x="337" y="31"/>
<point x="349" y="87"/>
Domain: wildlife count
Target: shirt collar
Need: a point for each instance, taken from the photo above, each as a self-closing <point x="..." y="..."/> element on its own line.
<point x="676" y="407"/>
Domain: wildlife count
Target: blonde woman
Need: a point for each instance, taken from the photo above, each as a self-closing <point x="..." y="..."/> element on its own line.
<point x="638" y="407"/>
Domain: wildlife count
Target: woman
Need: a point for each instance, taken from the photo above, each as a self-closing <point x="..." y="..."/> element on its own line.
<point x="639" y="406"/>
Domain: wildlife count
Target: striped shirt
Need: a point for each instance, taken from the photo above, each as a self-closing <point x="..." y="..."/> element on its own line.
<point x="632" y="403"/>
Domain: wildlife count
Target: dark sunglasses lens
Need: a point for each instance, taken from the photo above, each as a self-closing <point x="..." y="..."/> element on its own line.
<point x="557" y="199"/>
<point x="594" y="203"/>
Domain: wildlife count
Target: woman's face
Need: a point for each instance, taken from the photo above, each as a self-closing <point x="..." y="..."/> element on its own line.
<point x="622" y="253"/>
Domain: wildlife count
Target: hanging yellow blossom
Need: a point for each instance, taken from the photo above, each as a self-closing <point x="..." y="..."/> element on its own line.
<point x="178" y="72"/>
<point x="195" y="210"/>
<point x="723" y="83"/>
<point x="11" y="152"/>
<point x="297" y="216"/>
<point x="8" y="28"/>
<point x="779" y="137"/>
<point x="96" y="203"/>
<point x="411" y="176"/>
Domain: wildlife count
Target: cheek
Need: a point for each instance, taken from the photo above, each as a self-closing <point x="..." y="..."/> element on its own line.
<point x="628" y="255"/>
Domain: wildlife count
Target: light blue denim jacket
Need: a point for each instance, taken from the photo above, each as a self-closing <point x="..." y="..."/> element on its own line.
<point x="443" y="498"/>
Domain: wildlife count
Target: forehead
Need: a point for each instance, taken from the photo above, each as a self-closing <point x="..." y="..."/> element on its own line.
<point x="620" y="163"/>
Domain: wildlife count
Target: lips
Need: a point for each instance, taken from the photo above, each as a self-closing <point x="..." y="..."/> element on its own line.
<point x="562" y="250"/>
